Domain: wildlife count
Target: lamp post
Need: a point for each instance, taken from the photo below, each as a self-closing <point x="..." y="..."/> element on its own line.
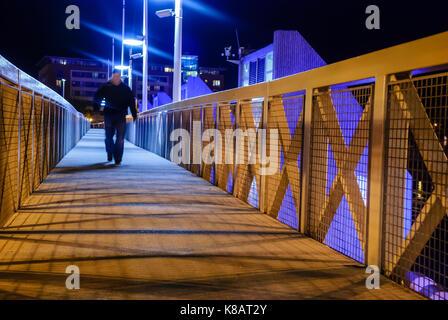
<point x="177" y="51"/>
<point x="135" y="43"/>
<point x="63" y="88"/>
<point x="145" y="57"/>
<point x="177" y="76"/>
<point x="122" y="35"/>
<point x="113" y="56"/>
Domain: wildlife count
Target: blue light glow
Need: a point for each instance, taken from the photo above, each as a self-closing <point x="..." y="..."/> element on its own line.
<point x="253" y="194"/>
<point x="361" y="173"/>
<point x="342" y="235"/>
<point x="116" y="36"/>
<point x="288" y="214"/>
<point x="407" y="223"/>
<point x="199" y="7"/>
<point x="230" y="183"/>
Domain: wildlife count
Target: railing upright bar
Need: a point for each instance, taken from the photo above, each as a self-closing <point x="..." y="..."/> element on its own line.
<point x="218" y="151"/>
<point x="32" y="142"/>
<point x="263" y="179"/>
<point x="306" y="160"/>
<point x="376" y="172"/>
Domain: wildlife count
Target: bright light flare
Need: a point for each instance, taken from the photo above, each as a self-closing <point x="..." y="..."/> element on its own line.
<point x="133" y="42"/>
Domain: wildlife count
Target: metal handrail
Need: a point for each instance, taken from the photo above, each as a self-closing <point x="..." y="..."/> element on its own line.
<point x="10" y="72"/>
<point x="418" y="54"/>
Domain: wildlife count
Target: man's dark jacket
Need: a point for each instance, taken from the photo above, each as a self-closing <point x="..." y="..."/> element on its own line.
<point x="117" y="99"/>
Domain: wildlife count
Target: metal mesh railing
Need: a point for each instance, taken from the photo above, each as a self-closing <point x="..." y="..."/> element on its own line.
<point x="225" y="170"/>
<point x="339" y="169"/>
<point x="208" y="123"/>
<point x="416" y="198"/>
<point x="367" y="178"/>
<point x="283" y="190"/>
<point x="37" y="128"/>
<point x="247" y="178"/>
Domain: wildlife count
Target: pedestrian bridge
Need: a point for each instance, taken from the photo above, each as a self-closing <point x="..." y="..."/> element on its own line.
<point x="355" y="175"/>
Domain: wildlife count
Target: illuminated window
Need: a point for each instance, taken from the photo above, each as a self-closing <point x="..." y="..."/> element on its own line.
<point x="245" y="77"/>
<point x="168" y="69"/>
<point x="269" y="66"/>
<point x="58" y="83"/>
<point x="216" y="83"/>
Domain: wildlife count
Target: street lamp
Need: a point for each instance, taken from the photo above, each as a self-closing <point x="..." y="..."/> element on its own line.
<point x="122" y="33"/>
<point x="145" y="49"/>
<point x="133" y="42"/>
<point x="63" y="88"/>
<point x="165" y="13"/>
<point x="122" y="68"/>
<point x="177" y="46"/>
<point x="145" y="57"/>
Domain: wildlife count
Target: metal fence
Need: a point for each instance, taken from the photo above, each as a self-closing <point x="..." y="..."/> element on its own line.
<point x="37" y="128"/>
<point x="416" y="197"/>
<point x="359" y="158"/>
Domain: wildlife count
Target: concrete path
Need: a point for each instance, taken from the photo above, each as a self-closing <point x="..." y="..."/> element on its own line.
<point x="149" y="229"/>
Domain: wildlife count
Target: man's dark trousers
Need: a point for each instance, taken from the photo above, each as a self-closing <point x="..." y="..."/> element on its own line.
<point x="115" y="123"/>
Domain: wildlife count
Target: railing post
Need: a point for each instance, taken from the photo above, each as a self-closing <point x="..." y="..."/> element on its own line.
<point x="235" y="145"/>
<point x="306" y="160"/>
<point x="41" y="164"/>
<point x="33" y="115"/>
<point x="264" y="123"/>
<point x="377" y="171"/>
<point x="217" y="152"/>
<point x="49" y="137"/>
<point x="167" y="134"/>
<point x="19" y="137"/>
<point x="190" y="141"/>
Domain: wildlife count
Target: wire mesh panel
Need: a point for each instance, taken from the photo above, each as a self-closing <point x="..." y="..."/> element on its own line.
<point x="51" y="140"/>
<point x="196" y="141"/>
<point x="208" y="122"/>
<point x="247" y="178"/>
<point x="25" y="138"/>
<point x="37" y="140"/>
<point x="26" y="135"/>
<point x="45" y="139"/>
<point x="143" y="132"/>
<point x="57" y="134"/>
<point x="283" y="189"/>
<point x="185" y="125"/>
<point x="170" y="128"/>
<point x="163" y="133"/>
<point x="339" y="169"/>
<point x="9" y="135"/>
<point x="226" y="127"/>
<point x="177" y="124"/>
<point x="416" y="198"/>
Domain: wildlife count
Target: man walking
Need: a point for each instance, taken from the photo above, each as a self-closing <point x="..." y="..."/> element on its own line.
<point x="114" y="98"/>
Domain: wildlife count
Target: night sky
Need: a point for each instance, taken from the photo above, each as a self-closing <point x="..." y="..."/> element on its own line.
<point x="336" y="29"/>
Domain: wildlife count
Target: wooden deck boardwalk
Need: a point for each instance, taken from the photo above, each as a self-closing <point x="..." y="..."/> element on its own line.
<point x="149" y="229"/>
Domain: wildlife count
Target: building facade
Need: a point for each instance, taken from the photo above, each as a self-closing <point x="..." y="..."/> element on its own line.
<point x="289" y="53"/>
<point x="75" y="78"/>
<point x="78" y="79"/>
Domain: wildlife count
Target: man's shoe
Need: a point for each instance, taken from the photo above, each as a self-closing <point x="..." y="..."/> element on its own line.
<point x="109" y="157"/>
<point x="117" y="163"/>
